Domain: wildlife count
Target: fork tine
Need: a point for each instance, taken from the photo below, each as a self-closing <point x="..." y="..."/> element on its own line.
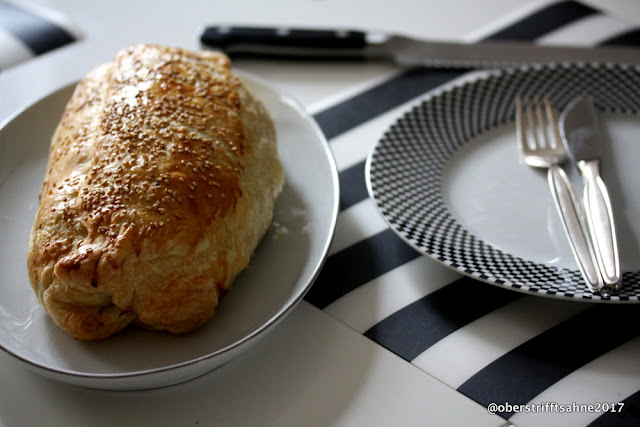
<point x="532" y="123"/>
<point x="551" y="118"/>
<point x="521" y="127"/>
<point x="542" y="123"/>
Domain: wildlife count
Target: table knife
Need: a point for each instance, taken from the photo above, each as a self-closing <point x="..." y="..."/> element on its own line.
<point x="334" y="44"/>
<point x="580" y="131"/>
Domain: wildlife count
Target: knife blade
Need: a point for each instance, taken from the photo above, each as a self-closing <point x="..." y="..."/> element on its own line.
<point x="580" y="131"/>
<point x="354" y="44"/>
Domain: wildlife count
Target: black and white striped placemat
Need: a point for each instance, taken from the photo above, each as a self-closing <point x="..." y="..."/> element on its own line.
<point x="27" y="31"/>
<point x="491" y="344"/>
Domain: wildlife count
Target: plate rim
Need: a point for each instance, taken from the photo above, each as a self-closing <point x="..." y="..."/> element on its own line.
<point x="115" y="379"/>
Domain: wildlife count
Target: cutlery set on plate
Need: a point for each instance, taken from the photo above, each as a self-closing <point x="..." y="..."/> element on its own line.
<point x="548" y="142"/>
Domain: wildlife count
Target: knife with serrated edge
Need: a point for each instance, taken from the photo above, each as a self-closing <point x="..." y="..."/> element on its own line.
<point x="353" y="44"/>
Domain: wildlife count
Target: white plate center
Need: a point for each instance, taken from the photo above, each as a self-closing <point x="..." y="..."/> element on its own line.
<point x="507" y="204"/>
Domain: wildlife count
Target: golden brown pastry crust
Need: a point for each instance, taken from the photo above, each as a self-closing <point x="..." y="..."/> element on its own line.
<point x="161" y="181"/>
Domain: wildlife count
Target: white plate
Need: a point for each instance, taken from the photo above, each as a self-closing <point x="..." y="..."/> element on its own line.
<point x="281" y="271"/>
<point x="448" y="178"/>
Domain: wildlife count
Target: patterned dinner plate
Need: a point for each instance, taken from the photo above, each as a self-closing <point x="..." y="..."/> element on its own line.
<point x="448" y="179"/>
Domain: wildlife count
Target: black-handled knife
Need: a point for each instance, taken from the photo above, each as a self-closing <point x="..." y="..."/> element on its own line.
<point x="272" y="42"/>
<point x="334" y="44"/>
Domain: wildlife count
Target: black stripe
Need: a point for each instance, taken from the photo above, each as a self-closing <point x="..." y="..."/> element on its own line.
<point x="622" y="416"/>
<point x="353" y="187"/>
<point x="37" y="33"/>
<point x="352" y="267"/>
<point x="544" y="21"/>
<point x="416" y="327"/>
<point x="381" y="98"/>
<point x="629" y="38"/>
<point x="523" y="373"/>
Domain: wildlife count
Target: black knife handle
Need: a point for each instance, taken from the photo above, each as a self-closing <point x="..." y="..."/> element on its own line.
<point x="285" y="41"/>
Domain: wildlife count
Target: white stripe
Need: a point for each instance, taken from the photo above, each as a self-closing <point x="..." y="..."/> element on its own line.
<point x="459" y="356"/>
<point x="370" y="303"/>
<point x="587" y="31"/>
<point x="610" y="378"/>
<point x="12" y="50"/>
<point x="357" y="223"/>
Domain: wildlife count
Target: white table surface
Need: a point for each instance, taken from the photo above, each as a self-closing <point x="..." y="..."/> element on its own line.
<point x="313" y="369"/>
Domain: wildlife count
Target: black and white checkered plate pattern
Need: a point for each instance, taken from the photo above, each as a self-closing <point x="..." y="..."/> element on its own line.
<point x="404" y="171"/>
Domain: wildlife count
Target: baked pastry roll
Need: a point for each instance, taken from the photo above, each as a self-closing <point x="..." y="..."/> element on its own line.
<point x="162" y="178"/>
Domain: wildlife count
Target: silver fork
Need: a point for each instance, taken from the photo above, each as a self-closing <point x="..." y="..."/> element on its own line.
<point x="541" y="146"/>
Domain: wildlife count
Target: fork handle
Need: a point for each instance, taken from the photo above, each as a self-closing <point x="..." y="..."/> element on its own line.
<point x="583" y="251"/>
<point x="600" y="220"/>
